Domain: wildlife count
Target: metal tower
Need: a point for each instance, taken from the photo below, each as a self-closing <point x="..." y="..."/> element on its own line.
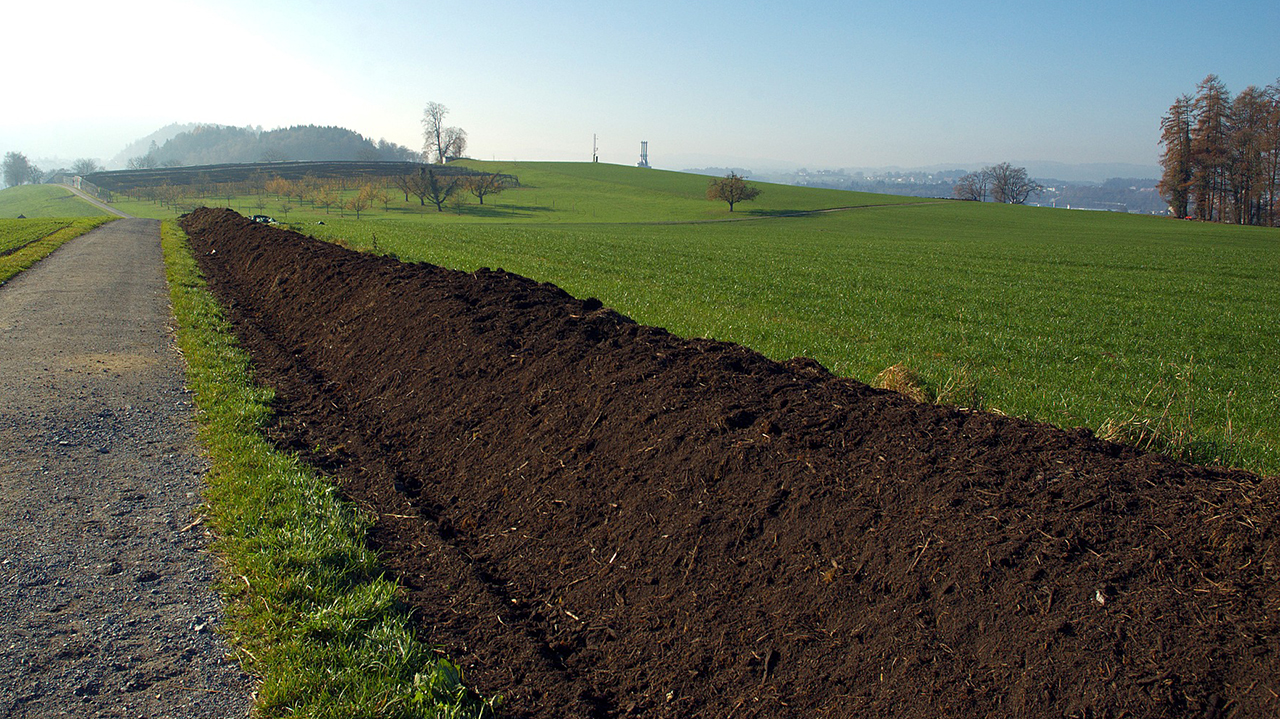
<point x="644" y="154"/>
<point x="595" y="155"/>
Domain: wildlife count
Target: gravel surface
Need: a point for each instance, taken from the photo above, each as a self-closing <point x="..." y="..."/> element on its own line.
<point x="107" y="601"/>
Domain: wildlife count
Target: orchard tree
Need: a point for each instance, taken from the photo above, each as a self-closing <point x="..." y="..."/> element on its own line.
<point x="17" y="170"/>
<point x="732" y="188"/>
<point x="438" y="189"/>
<point x="488" y="184"/>
<point x="362" y="200"/>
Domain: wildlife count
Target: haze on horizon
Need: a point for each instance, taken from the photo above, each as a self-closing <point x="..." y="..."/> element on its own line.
<point x="819" y="84"/>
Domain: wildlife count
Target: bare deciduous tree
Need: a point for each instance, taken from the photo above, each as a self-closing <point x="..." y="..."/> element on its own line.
<point x="732" y="188"/>
<point x="1003" y="183"/>
<point x="440" y="143"/>
<point x="85" y="166"/>
<point x="1012" y="184"/>
<point x="436" y="188"/>
<point x="484" y="185"/>
<point x="974" y="186"/>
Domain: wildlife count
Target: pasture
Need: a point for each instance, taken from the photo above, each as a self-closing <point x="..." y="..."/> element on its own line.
<point x="1155" y="330"/>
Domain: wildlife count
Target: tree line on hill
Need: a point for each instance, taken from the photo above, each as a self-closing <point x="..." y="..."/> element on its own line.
<point x="217" y="144"/>
<point x="1221" y="158"/>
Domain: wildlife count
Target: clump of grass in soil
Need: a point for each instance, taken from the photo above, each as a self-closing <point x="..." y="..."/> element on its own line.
<point x="308" y="607"/>
<point x="903" y="380"/>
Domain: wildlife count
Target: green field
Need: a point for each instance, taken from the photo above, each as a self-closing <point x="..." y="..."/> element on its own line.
<point x="44" y="201"/>
<point x="1074" y="318"/>
<point x="25" y="242"/>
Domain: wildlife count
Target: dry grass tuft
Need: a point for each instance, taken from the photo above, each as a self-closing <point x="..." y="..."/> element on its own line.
<point x="903" y="380"/>
<point x="1164" y="422"/>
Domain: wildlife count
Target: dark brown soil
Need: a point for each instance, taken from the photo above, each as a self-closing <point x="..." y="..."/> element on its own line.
<point x="602" y="519"/>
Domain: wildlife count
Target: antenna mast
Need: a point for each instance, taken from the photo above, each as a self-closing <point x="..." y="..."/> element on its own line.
<point x="595" y="156"/>
<point x="644" y="154"/>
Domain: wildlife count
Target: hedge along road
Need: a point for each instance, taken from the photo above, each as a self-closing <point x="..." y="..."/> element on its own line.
<point x="107" y="603"/>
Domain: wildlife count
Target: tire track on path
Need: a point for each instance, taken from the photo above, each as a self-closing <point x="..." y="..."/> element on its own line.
<point x="107" y="605"/>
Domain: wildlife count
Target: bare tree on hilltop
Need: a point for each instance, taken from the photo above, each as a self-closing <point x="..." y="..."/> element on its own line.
<point x="441" y="143"/>
<point x="1221" y="158"/>
<point x="1003" y="183"/>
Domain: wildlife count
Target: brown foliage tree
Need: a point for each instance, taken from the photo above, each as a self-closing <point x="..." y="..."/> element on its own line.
<point x="1221" y="160"/>
<point x="732" y="189"/>
<point x="1175" y="135"/>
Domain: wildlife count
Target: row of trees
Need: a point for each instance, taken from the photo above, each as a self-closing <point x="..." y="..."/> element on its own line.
<point x="18" y="170"/>
<point x="429" y="186"/>
<point x="1000" y="183"/>
<point x="1221" y="159"/>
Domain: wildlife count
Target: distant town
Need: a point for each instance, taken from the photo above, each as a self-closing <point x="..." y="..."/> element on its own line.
<point x="1121" y="194"/>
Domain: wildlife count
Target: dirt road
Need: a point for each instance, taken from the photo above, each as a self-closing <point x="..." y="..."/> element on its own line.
<point x="106" y="600"/>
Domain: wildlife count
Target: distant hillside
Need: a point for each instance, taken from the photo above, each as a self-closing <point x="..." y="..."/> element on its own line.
<point x="140" y="147"/>
<point x="220" y="144"/>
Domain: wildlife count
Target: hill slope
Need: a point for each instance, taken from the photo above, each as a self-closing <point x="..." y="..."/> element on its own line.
<point x="44" y="201"/>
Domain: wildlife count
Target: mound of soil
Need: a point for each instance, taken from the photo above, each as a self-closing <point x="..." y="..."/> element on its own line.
<point x="602" y="519"/>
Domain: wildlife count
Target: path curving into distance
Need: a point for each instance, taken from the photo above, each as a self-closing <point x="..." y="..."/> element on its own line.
<point x="107" y="605"/>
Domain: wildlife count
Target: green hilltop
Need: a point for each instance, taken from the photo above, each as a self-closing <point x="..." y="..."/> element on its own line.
<point x="44" y="201"/>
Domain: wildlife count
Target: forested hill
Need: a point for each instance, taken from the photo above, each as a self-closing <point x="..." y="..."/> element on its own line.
<point x="217" y="144"/>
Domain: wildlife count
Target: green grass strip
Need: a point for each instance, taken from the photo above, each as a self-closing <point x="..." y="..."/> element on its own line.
<point x="25" y="242"/>
<point x="309" y="609"/>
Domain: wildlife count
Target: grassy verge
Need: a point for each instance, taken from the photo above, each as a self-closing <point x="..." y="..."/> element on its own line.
<point x="308" y="606"/>
<point x="25" y="242"/>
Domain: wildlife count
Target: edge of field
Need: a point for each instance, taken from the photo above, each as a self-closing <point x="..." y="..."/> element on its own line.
<point x="309" y="609"/>
<point x="29" y="254"/>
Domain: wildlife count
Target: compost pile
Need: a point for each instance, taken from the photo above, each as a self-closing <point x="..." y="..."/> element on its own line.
<point x="601" y="519"/>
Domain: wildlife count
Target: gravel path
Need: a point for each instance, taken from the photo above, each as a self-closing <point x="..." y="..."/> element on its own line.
<point x="107" y="605"/>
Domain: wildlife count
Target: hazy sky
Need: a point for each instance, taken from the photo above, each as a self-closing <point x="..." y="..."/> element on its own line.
<point x="821" y="84"/>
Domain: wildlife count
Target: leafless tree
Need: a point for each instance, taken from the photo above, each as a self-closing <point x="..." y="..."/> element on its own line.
<point x="974" y="186"/>
<point x="1012" y="184"/>
<point x="484" y="185"/>
<point x="85" y="166"/>
<point x="441" y="142"/>
<point x="438" y="189"/>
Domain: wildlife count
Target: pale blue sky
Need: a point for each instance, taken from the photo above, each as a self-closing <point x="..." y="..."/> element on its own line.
<point x="820" y="84"/>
